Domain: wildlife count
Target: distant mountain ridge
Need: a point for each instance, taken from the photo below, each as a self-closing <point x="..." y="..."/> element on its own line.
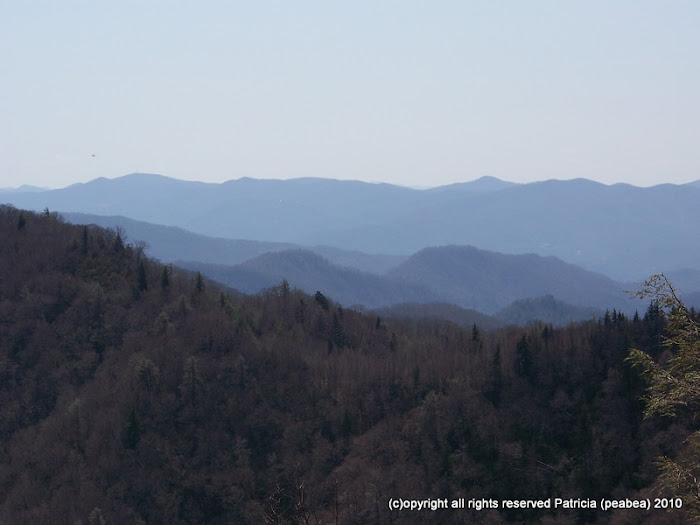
<point x="482" y="281"/>
<point x="453" y="274"/>
<point x="482" y="185"/>
<point x="24" y="188"/>
<point x="488" y="281"/>
<point x="310" y="272"/>
<point x="546" y="309"/>
<point x="171" y="243"/>
<point x="623" y="231"/>
<point x="463" y="317"/>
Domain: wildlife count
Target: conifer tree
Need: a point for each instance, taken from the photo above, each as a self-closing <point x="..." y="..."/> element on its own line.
<point x="84" y="247"/>
<point x="494" y="392"/>
<point x="164" y="278"/>
<point x="674" y="384"/>
<point x="142" y="279"/>
<point x="118" y="242"/>
<point x="321" y="299"/>
<point x="523" y="358"/>
<point x="190" y="380"/>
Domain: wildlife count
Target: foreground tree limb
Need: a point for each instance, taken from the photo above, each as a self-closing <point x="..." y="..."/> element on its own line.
<point x="674" y="383"/>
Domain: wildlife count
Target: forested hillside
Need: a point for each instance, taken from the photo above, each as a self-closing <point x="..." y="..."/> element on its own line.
<point x="171" y="244"/>
<point x="489" y="281"/>
<point x="132" y="392"/>
<point x="309" y="271"/>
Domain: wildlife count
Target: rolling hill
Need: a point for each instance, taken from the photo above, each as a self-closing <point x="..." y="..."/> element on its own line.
<point x="171" y="243"/>
<point x="460" y="275"/>
<point x="310" y="272"/>
<point x="488" y="281"/>
<point x="546" y="309"/>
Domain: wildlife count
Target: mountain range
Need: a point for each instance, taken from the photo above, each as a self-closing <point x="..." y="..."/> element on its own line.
<point x="488" y="281"/>
<point x="622" y="231"/>
<point x="276" y="221"/>
<point x="382" y="281"/>
<point x="171" y="243"/>
<point x="464" y="276"/>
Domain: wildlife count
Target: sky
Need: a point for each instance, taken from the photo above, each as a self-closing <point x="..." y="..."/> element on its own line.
<point x="408" y="92"/>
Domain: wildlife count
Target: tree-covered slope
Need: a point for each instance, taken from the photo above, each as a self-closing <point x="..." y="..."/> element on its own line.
<point x="488" y="281"/>
<point x="310" y="272"/>
<point x="546" y="309"/>
<point x="135" y="393"/>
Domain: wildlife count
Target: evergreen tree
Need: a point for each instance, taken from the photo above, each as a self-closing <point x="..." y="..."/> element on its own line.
<point x="142" y="279"/>
<point x="523" y="358"/>
<point x="165" y="278"/>
<point x="84" y="247"/>
<point x="190" y="380"/>
<point x="321" y="299"/>
<point x="118" y="242"/>
<point x="674" y="384"/>
<point x="494" y="392"/>
<point x="337" y="332"/>
<point x="475" y="332"/>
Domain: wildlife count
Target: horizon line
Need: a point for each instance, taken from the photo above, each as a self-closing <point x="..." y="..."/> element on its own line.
<point x="32" y="188"/>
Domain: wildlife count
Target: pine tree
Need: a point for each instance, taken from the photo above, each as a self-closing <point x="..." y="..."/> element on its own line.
<point x="142" y="279"/>
<point x="164" y="278"/>
<point x="674" y="384"/>
<point x="337" y="332"/>
<point x="321" y="299"/>
<point x="84" y="247"/>
<point x="494" y="392"/>
<point x="190" y="380"/>
<point x="523" y="358"/>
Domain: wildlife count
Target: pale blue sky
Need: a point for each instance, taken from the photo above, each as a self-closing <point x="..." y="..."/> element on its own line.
<point x="407" y="92"/>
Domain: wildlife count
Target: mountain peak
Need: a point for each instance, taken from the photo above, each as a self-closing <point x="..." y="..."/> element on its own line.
<point x="484" y="184"/>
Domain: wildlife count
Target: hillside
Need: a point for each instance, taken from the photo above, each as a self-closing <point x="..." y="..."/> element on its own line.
<point x="440" y="312"/>
<point x="464" y="276"/>
<point x="170" y="244"/>
<point x="310" y="272"/>
<point x="334" y="275"/>
<point x="546" y="309"/>
<point x="131" y="392"/>
<point x="488" y="281"/>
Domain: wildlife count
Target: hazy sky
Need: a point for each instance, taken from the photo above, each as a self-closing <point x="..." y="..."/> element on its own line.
<point x="410" y="92"/>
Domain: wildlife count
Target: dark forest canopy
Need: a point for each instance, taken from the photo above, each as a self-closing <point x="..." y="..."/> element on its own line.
<point x="133" y="392"/>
